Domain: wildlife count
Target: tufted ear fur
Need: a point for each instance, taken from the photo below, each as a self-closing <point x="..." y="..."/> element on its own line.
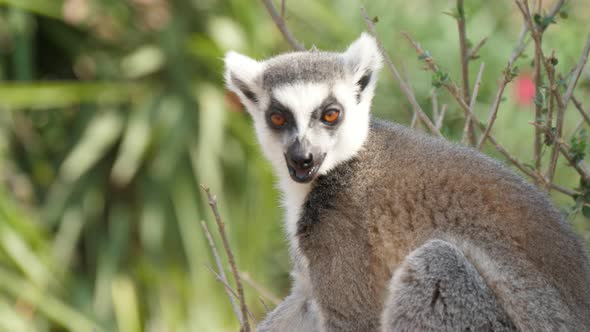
<point x="242" y="76"/>
<point x="363" y="61"/>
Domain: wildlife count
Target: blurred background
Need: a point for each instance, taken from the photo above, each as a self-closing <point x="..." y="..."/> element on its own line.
<point x="112" y="112"/>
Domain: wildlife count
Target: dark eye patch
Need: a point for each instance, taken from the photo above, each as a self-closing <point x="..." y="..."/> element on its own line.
<point x="276" y="107"/>
<point x="329" y="103"/>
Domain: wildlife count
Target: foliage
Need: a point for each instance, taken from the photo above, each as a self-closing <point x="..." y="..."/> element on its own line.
<point x="113" y="112"/>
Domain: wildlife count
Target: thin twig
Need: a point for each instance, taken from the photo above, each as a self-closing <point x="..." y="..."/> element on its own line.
<point x="473" y="53"/>
<point x="260" y="289"/>
<point x="230" y="257"/>
<point x="575" y="130"/>
<point x="463" y="49"/>
<point x="561" y="103"/>
<point x="232" y="293"/>
<point x="434" y="98"/>
<point x="464" y="58"/>
<point x="441" y="117"/>
<point x="577" y="72"/>
<point x="403" y="86"/>
<point x="280" y="23"/>
<point x="495" y="105"/>
<point x="549" y="123"/>
<point x="522" y="42"/>
<point x="283" y="10"/>
<point x="539" y="60"/>
<point x="414" y="121"/>
<point x="472" y="103"/>
<point x="581" y="109"/>
<point x="580" y="167"/>
<point x="454" y="91"/>
<point x="264" y="304"/>
<point x="221" y="270"/>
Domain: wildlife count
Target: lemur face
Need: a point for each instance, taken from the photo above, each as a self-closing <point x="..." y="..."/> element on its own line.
<point x="310" y="109"/>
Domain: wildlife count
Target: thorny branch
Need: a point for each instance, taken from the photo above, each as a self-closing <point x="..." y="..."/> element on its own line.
<point x="230" y="256"/>
<point x="229" y="290"/>
<point x="469" y="109"/>
<point x="474" y="95"/>
<point x="465" y="58"/>
<point x="403" y="86"/>
<point x="222" y="276"/>
<point x="280" y="23"/>
<point x="468" y="112"/>
<point x="495" y="105"/>
<point x="561" y="101"/>
<point x="580" y="109"/>
<point x="260" y="289"/>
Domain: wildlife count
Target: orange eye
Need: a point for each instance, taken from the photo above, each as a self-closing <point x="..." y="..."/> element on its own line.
<point x="331" y="116"/>
<point x="277" y="120"/>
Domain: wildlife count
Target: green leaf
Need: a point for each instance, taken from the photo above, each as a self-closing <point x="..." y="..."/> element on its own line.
<point x="46" y="95"/>
<point x="563" y="14"/>
<point x="578" y="146"/>
<point x="586" y="211"/>
<point x="49" y="8"/>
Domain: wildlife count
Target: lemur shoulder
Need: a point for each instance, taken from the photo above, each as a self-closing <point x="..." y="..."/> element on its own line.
<point x="393" y="230"/>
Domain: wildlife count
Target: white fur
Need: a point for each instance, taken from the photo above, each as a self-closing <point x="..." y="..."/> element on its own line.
<point x="362" y="55"/>
<point x="245" y="69"/>
<point x="361" y="58"/>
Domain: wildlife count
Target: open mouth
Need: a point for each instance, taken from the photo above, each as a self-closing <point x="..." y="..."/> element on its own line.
<point x="304" y="175"/>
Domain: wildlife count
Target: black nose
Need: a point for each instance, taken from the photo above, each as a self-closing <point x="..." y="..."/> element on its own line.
<point x="302" y="161"/>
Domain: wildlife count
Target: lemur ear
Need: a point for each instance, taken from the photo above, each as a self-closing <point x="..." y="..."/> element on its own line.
<point x="363" y="60"/>
<point x="242" y="75"/>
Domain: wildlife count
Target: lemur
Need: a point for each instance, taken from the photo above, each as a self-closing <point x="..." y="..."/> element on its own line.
<point x="391" y="229"/>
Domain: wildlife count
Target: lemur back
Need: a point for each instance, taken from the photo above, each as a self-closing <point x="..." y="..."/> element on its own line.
<point x="362" y="219"/>
<point x="393" y="230"/>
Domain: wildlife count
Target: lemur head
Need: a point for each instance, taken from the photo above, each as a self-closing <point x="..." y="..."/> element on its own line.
<point x="310" y="109"/>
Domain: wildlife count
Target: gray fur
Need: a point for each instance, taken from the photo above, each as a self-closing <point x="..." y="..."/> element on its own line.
<point x="297" y="312"/>
<point x="437" y="289"/>
<point x="375" y="215"/>
<point x="299" y="66"/>
<point x="402" y="231"/>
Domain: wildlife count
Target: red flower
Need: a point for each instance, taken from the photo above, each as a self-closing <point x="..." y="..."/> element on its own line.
<point x="524" y="89"/>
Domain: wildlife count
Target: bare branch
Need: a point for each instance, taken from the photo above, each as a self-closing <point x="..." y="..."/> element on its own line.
<point x="232" y="293"/>
<point x="230" y="257"/>
<point x="464" y="58"/>
<point x="221" y="271"/>
<point x="280" y="23"/>
<point x="475" y="50"/>
<point x="495" y="106"/>
<point x="576" y="128"/>
<point x="472" y="103"/>
<point x="549" y="123"/>
<point x="580" y="167"/>
<point x="283" y="10"/>
<point x="576" y="73"/>
<point x="260" y="289"/>
<point x="539" y="60"/>
<point x="581" y="109"/>
<point x="403" y="86"/>
<point x="463" y="49"/>
<point x="434" y="98"/>
<point x="441" y="117"/>
<point x="522" y="43"/>
<point x="414" y="121"/>
<point x="454" y="91"/>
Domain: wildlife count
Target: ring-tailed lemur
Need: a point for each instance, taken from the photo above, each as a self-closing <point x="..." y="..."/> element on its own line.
<point x="392" y="230"/>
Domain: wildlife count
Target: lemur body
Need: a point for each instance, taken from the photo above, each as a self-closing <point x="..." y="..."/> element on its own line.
<point x="393" y="230"/>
